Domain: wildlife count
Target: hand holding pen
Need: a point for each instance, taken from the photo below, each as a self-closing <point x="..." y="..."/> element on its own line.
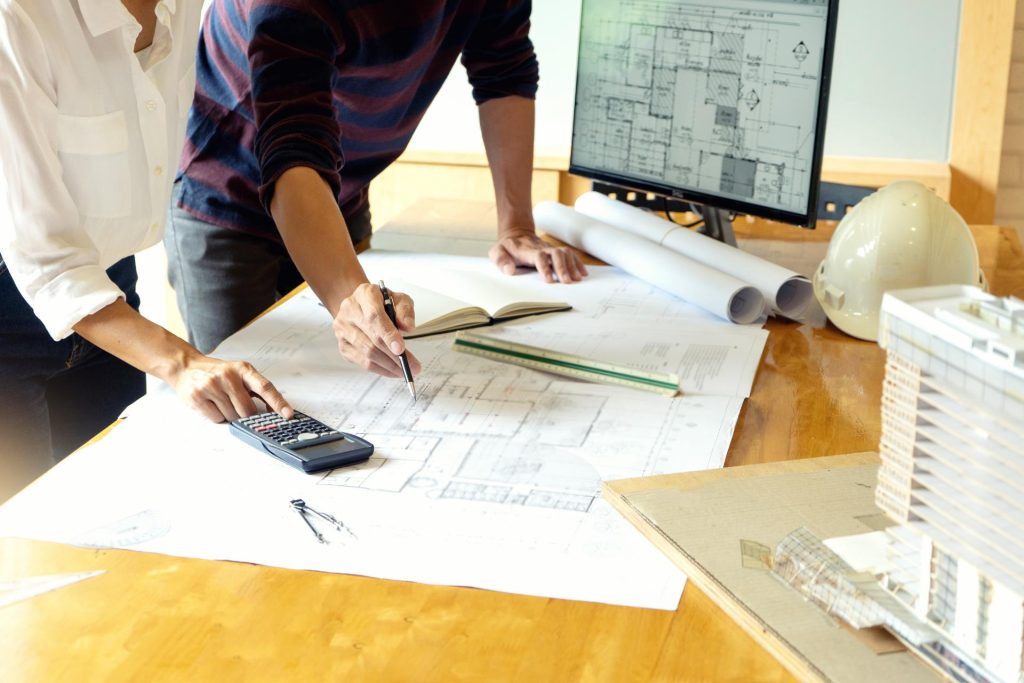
<point x="369" y="337"/>
<point x="389" y="308"/>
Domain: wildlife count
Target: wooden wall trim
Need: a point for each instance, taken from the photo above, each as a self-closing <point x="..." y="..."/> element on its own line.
<point x="442" y="158"/>
<point x="969" y="181"/>
<point x="848" y="170"/>
<point x="880" y="172"/>
<point x="979" y="107"/>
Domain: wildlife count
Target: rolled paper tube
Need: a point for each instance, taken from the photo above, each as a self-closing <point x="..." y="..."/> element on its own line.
<point x="712" y="290"/>
<point x="787" y="292"/>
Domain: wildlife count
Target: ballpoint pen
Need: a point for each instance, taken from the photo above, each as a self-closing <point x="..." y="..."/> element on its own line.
<point x="389" y="308"/>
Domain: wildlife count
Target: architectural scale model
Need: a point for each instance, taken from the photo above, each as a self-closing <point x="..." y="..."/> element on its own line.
<point x="952" y="474"/>
<point x="946" y="576"/>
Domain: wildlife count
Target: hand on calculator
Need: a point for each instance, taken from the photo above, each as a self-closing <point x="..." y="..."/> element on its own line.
<point x="302" y="442"/>
<point x="224" y="390"/>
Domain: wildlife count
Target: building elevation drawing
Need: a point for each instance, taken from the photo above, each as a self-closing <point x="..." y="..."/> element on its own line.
<point x="714" y="97"/>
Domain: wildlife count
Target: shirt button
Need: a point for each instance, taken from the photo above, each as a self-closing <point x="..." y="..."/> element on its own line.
<point x="158" y="170"/>
<point x="150" y="105"/>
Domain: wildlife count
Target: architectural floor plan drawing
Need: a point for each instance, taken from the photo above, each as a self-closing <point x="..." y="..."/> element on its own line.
<point x="441" y="451"/>
<point x="710" y="360"/>
<point x="492" y="432"/>
<point x="491" y="479"/>
<point x="708" y="96"/>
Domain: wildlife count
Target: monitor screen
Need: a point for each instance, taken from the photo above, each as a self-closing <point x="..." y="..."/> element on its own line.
<point x="717" y="101"/>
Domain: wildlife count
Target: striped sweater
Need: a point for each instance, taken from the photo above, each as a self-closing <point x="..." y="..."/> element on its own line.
<point x="338" y="86"/>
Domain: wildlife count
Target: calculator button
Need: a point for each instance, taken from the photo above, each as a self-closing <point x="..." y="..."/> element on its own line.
<point x="305" y="436"/>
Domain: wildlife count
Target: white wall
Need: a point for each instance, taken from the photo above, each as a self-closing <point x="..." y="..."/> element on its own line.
<point x="894" y="78"/>
<point x="892" y="91"/>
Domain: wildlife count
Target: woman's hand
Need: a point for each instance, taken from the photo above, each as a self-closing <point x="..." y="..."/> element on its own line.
<point x="224" y="390"/>
<point x="219" y="389"/>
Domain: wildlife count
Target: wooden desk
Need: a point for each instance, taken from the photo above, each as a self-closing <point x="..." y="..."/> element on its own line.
<point x="156" y="618"/>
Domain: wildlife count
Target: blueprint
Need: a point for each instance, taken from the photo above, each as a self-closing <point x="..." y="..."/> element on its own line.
<point x="715" y="97"/>
<point x="491" y="479"/>
<point x="484" y="430"/>
<point x="710" y="359"/>
<point x="607" y="294"/>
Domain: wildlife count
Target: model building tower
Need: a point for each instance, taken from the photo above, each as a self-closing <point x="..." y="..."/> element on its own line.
<point x="952" y="473"/>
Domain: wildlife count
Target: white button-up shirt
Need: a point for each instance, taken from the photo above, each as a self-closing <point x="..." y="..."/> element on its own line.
<point x="88" y="144"/>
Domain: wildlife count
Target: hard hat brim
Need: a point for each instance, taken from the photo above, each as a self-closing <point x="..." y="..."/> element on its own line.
<point x="860" y="325"/>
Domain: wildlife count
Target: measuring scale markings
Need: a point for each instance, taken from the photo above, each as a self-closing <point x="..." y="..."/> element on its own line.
<point x="565" y="364"/>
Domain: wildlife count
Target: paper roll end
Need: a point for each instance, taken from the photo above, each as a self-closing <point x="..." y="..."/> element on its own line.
<point x="793" y="297"/>
<point x="746" y="306"/>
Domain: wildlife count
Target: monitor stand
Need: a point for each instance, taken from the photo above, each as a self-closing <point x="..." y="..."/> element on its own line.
<point x="717" y="225"/>
<point x="714" y="223"/>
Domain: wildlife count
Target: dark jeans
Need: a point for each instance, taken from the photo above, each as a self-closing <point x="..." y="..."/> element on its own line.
<point x="224" y="278"/>
<point x="55" y="396"/>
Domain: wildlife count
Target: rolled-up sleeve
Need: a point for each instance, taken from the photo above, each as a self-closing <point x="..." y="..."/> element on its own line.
<point x="292" y="52"/>
<point x="499" y="56"/>
<point x="51" y="257"/>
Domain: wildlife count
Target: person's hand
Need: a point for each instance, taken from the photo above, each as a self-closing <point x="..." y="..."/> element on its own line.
<point x="524" y="248"/>
<point x="366" y="336"/>
<point x="224" y="390"/>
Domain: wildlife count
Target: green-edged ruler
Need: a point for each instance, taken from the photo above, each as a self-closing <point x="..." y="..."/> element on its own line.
<point x="565" y="364"/>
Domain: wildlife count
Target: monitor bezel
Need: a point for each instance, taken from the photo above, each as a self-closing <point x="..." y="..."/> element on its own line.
<point x="806" y="220"/>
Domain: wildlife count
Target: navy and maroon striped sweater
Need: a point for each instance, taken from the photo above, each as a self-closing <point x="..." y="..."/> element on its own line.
<point x="335" y="85"/>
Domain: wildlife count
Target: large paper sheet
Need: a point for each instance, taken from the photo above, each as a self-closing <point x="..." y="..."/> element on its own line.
<point x="606" y="294"/>
<point x="716" y="292"/>
<point x="710" y="359"/>
<point x="19" y="590"/>
<point x="491" y="480"/>
<point x="789" y="293"/>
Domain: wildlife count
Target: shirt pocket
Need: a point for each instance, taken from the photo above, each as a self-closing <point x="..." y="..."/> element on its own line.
<point x="94" y="153"/>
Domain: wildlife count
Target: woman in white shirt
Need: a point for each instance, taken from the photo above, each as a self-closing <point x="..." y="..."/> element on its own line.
<point x="93" y="100"/>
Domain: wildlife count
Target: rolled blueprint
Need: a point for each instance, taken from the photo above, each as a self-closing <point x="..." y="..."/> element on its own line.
<point x="710" y="289"/>
<point x="788" y="293"/>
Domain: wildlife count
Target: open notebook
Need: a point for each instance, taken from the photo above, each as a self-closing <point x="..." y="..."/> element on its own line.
<point x="448" y="299"/>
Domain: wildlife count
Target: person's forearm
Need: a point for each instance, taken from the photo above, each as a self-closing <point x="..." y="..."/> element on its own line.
<point x="507" y="124"/>
<point x="220" y="390"/>
<point x="121" y="331"/>
<point x="314" y="231"/>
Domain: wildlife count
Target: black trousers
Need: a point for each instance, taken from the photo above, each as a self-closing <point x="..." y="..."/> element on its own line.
<point x="55" y="396"/>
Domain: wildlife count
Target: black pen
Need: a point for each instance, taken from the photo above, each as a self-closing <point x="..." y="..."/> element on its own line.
<point x="389" y="308"/>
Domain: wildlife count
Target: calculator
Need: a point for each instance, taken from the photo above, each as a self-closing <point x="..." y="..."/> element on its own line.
<point x="303" y="442"/>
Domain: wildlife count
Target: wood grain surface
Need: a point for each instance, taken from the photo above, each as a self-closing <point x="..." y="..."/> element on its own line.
<point x="156" y="618"/>
<point x="777" y="618"/>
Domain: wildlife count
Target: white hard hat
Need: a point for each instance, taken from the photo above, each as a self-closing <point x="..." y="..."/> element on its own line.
<point x="900" y="237"/>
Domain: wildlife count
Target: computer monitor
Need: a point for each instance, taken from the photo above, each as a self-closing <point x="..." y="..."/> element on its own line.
<point x="721" y="102"/>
